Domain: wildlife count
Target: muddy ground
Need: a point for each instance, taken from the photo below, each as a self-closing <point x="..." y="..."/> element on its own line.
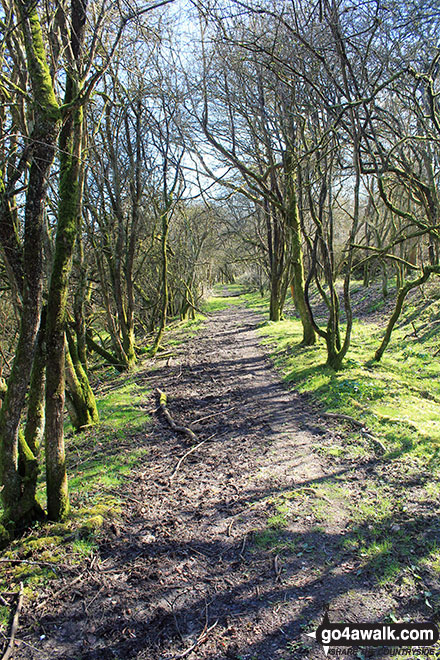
<point x="209" y="561"/>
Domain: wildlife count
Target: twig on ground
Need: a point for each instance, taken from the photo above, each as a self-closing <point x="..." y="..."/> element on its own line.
<point x="123" y="495"/>
<point x="243" y="545"/>
<point x="54" y="596"/>
<point x="193" y="449"/>
<point x="86" y="607"/>
<point x="277" y="569"/>
<point x="10" y="648"/>
<point x="28" y="561"/>
<point x="202" y="419"/>
<point x="163" y="407"/>
<point x="202" y="637"/>
<point x="314" y="492"/>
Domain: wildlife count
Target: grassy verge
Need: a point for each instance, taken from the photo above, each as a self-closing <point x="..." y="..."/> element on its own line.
<point x="398" y="399"/>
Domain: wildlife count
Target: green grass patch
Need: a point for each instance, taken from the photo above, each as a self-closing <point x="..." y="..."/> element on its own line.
<point x="180" y="331"/>
<point x="272" y="540"/>
<point x="398" y="398"/>
<point x="223" y="296"/>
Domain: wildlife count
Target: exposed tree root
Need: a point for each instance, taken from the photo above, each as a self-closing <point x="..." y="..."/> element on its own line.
<point x="379" y="448"/>
<point x="345" y="418"/>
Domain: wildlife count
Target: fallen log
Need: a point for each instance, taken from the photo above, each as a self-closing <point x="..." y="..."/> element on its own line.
<point x="176" y="427"/>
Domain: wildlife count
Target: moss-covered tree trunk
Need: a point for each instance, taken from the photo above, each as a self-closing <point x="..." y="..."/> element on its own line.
<point x="30" y="441"/>
<point x="19" y="504"/>
<point x="81" y="395"/>
<point x="70" y="144"/>
<point x="80" y="295"/>
<point x="276" y="303"/>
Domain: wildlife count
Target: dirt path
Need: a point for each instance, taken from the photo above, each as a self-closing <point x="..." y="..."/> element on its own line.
<point x="242" y="549"/>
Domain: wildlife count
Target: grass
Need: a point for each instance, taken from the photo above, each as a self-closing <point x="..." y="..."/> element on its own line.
<point x="398" y="398"/>
<point x="179" y="331"/>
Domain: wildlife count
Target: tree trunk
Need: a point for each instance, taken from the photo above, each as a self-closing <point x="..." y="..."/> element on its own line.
<point x="165" y="292"/>
<point x="275" y="309"/>
<point x="293" y="222"/>
<point x="80" y="393"/>
<point x="43" y="141"/>
<point x="80" y="293"/>
<point x="30" y="443"/>
<point x="70" y="145"/>
<point x="403" y="292"/>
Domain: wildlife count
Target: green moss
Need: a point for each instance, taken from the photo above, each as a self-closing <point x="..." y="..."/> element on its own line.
<point x="107" y="510"/>
<point x="40" y="74"/>
<point x="92" y="524"/>
<point x="42" y="543"/>
<point x="5" y="537"/>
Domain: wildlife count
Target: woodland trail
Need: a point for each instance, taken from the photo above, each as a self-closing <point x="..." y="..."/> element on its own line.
<point x="240" y="551"/>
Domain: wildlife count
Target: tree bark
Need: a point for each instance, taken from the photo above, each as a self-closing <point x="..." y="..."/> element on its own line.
<point x="294" y="225"/>
<point x="70" y="144"/>
<point x="165" y="291"/>
<point x="81" y="394"/>
<point x="403" y="292"/>
<point x="43" y="141"/>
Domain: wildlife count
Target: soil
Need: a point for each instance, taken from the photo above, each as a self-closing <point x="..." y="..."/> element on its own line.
<point x="232" y="556"/>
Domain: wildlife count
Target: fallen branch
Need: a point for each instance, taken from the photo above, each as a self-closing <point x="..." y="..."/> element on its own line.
<point x="277" y="569"/>
<point x="308" y="489"/>
<point x="10" y="648"/>
<point x="165" y="355"/>
<point x="180" y="429"/>
<point x="378" y="446"/>
<point x="124" y="496"/>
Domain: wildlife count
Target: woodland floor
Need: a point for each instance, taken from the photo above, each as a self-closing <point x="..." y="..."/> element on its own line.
<point x="237" y="555"/>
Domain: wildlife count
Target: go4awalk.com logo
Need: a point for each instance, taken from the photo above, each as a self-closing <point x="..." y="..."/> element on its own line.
<point x="388" y="635"/>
